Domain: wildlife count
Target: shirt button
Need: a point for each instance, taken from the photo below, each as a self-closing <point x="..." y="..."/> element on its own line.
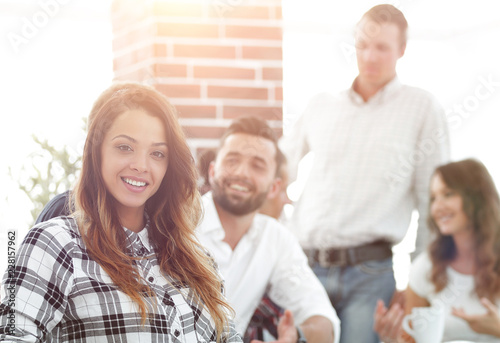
<point x="151" y="279"/>
<point x="177" y="333"/>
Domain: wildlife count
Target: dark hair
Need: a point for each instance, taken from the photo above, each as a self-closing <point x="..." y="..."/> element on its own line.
<point x="255" y="127"/>
<point x="204" y="159"/>
<point x="388" y="14"/>
<point x="481" y="204"/>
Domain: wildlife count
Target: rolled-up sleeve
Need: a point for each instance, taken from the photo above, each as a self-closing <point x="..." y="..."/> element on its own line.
<point x="294" y="286"/>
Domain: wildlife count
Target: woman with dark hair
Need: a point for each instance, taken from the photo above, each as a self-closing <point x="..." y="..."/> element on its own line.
<point x="460" y="272"/>
<point x="125" y="266"/>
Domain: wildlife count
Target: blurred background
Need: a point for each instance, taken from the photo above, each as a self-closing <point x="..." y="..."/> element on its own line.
<point x="266" y="58"/>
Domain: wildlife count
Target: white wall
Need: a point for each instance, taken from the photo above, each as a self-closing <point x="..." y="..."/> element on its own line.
<point x="55" y="59"/>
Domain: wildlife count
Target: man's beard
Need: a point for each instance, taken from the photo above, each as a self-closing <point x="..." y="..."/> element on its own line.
<point x="233" y="204"/>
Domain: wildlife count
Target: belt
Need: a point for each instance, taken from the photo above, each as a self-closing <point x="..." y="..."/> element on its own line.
<point x="379" y="250"/>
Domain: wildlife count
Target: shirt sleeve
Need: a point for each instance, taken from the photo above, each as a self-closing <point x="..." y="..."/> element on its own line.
<point x="294" y="285"/>
<point x="232" y="336"/>
<point x="434" y="146"/>
<point x="36" y="294"/>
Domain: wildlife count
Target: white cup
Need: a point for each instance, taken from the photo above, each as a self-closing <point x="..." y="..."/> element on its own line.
<point x="427" y="324"/>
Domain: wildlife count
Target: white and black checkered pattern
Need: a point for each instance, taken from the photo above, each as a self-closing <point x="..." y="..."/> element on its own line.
<point x="64" y="295"/>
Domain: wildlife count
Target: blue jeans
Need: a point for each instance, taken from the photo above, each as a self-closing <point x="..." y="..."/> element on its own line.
<point x="354" y="291"/>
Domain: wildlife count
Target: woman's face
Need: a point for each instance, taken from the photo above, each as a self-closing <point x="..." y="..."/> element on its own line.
<point x="134" y="159"/>
<point x="447" y="208"/>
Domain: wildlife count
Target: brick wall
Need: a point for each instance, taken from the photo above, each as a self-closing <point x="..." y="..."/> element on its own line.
<point x="215" y="59"/>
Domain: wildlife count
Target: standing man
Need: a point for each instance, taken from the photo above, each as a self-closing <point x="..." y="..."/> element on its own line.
<point x="254" y="252"/>
<point x="375" y="147"/>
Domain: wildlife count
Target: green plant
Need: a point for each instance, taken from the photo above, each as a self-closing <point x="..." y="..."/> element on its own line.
<point x="49" y="171"/>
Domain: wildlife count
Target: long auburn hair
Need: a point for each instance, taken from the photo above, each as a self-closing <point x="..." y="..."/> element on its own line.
<point x="174" y="210"/>
<point x="481" y="204"/>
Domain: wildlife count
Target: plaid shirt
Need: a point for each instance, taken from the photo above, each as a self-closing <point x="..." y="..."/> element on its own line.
<point x="265" y="317"/>
<point x="62" y="295"/>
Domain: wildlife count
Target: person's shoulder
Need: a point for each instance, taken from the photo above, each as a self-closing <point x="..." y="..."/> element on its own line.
<point x="425" y="104"/>
<point x="277" y="239"/>
<point x="318" y="106"/>
<point x="62" y="230"/>
<point x="422" y="262"/>
<point x="207" y="199"/>
<point x="266" y="220"/>
<point x="269" y="226"/>
<point x="420" y="93"/>
<point x="210" y="218"/>
<point x="326" y="98"/>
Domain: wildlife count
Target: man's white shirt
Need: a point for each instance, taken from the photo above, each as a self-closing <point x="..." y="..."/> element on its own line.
<point x="268" y="257"/>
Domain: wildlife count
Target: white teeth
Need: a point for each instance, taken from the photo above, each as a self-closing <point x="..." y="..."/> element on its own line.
<point x="239" y="188"/>
<point x="444" y="218"/>
<point x="134" y="183"/>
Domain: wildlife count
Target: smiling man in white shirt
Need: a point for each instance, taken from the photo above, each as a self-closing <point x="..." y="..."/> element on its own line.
<point x="254" y="252"/>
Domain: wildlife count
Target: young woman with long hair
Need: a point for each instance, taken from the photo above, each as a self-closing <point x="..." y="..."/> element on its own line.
<point x="125" y="266"/>
<point x="460" y="272"/>
<point x="465" y="255"/>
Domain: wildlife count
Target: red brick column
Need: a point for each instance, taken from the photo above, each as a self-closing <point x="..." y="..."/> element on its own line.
<point x="215" y="59"/>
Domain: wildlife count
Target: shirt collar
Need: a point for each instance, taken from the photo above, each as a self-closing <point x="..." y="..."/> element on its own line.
<point x="138" y="242"/>
<point x="386" y="92"/>
<point x="211" y="221"/>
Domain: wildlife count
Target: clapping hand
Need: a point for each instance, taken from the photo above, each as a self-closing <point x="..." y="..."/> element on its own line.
<point x="488" y="323"/>
<point x="387" y="321"/>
